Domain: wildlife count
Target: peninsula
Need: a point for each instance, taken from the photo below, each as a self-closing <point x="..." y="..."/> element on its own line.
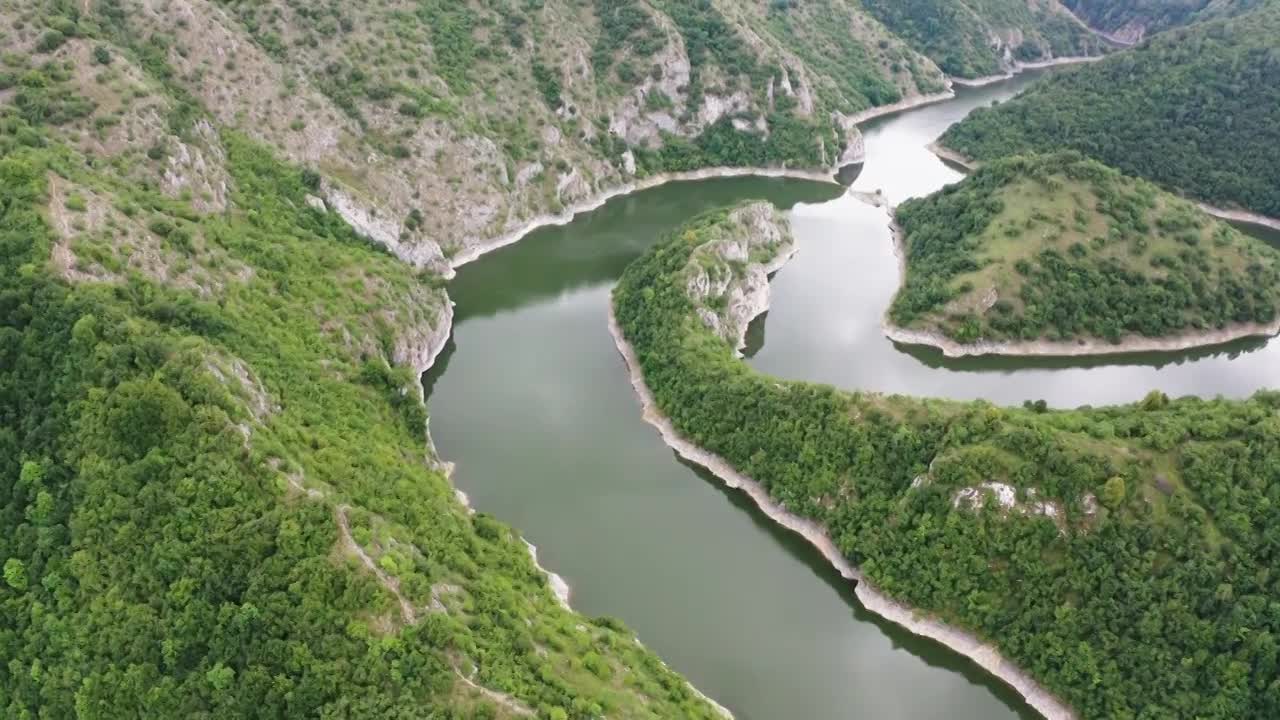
<point x="1060" y="255"/>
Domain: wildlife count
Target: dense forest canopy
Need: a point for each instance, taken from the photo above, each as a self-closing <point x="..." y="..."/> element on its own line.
<point x="1061" y="247"/>
<point x="1196" y="110"/>
<point x="1131" y="569"/>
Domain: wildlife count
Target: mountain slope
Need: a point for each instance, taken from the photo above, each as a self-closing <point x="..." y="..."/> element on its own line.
<point x="979" y="38"/>
<point x="438" y="126"/>
<point x="1130" y="21"/>
<point x="216" y="491"/>
<point x="1196" y="110"/>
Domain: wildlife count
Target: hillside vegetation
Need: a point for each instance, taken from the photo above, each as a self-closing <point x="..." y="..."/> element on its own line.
<point x="1130" y="21"/>
<point x="979" y="38"/>
<point x="1123" y="556"/>
<point x="1196" y="110"/>
<point x="216" y="491"/>
<point x="1061" y="248"/>
<point x="437" y="126"/>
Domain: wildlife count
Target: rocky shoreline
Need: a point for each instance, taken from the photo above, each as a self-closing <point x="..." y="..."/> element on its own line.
<point x="951" y="156"/>
<point x="1047" y="348"/>
<point x="1241" y="216"/>
<point x="910" y="103"/>
<point x="985" y="655"/>
<point x="474" y="252"/>
<point x="1020" y="67"/>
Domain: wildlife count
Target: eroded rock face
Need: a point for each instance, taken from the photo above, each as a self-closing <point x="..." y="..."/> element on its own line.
<point x="728" y="279"/>
<point x="476" y="161"/>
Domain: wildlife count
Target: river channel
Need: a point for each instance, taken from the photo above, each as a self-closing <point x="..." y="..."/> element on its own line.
<point x="532" y="403"/>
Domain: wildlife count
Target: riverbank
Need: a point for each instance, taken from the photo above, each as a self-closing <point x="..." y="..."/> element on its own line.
<point x="1021" y="67"/>
<point x="653" y="181"/>
<point x="953" y="157"/>
<point x="985" y="655"/>
<point x="1241" y="216"/>
<point x="901" y="106"/>
<point x="1047" y="348"/>
<point x="420" y="350"/>
<point x="475" y="252"/>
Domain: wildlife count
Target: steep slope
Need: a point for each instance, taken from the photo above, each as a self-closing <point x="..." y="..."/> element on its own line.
<point x="439" y="126"/>
<point x="1121" y="556"/>
<point x="215" y="486"/>
<point x="981" y="38"/>
<point x="1196" y="110"/>
<point x="1062" y="255"/>
<point x="1130" y="21"/>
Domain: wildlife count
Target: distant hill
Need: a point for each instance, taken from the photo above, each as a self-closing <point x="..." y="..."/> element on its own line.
<point x="1196" y="110"/>
<point x="1130" y="21"/>
<point x="1062" y="248"/>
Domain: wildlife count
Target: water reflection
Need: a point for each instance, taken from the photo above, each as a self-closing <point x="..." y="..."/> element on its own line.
<point x="596" y="247"/>
<point x="828" y="305"/>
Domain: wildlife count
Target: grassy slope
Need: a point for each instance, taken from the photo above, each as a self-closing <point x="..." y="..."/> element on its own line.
<point x="1193" y="110"/>
<point x="1061" y="248"/>
<point x="1155" y="600"/>
<point x="196" y="393"/>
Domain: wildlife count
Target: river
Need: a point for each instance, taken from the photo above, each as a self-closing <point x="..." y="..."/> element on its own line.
<point x="531" y="401"/>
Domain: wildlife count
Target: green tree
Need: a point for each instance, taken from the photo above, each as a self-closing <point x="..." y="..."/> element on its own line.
<point x="1114" y="492"/>
<point x="15" y="574"/>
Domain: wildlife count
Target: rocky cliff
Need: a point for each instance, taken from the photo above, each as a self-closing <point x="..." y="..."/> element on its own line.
<point x="435" y="127"/>
<point x="728" y="278"/>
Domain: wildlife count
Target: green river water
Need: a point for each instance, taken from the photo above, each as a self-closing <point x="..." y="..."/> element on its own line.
<point x="532" y="403"/>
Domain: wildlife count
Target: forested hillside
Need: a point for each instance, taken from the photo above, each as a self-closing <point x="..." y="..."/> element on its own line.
<point x="1123" y="556"/>
<point x="1130" y="21"/>
<point x="216" y="493"/>
<point x="979" y="38"/>
<point x="225" y="228"/>
<point x="1196" y="110"/>
<point x="1062" y="248"/>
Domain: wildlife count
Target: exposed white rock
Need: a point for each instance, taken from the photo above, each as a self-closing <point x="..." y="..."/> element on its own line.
<point x="526" y="174"/>
<point x="559" y="587"/>
<point x="418" y="345"/>
<point x="743" y="293"/>
<point x="1006" y="498"/>
<point x="361" y="219"/>
<point x="199" y="168"/>
<point x="572" y="186"/>
<point x="715" y="107"/>
<point x="473" y="251"/>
